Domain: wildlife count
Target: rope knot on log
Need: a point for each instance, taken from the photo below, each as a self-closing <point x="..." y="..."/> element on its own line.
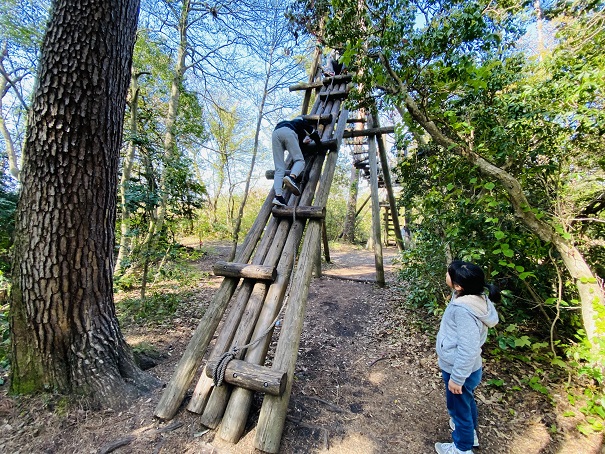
<point x="219" y="372"/>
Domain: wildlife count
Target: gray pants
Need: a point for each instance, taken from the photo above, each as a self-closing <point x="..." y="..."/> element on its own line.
<point x="285" y="139"/>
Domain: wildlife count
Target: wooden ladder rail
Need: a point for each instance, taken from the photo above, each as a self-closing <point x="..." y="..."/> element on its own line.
<point x="256" y="293"/>
<point x="274" y="408"/>
<point x="237" y="409"/>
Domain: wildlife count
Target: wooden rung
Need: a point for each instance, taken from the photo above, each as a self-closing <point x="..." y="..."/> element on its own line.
<point x="302" y="212"/>
<point x="244" y="270"/>
<point x="252" y="376"/>
<point x="270" y="174"/>
<point x="333" y="94"/>
<point x="368" y="132"/>
<point x="322" y="119"/>
<point x="337" y="79"/>
<point x="306" y="86"/>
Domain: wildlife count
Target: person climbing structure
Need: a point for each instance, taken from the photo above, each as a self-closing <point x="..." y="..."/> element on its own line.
<point x="333" y="66"/>
<point x="290" y="135"/>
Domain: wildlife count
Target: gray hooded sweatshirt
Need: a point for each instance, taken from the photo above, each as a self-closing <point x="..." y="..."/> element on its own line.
<point x="461" y="335"/>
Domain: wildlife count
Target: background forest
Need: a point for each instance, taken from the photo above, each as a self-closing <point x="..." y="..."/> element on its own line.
<point x="499" y="150"/>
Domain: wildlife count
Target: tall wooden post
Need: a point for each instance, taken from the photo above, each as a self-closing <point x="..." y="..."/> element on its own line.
<point x="375" y="206"/>
<point x="386" y="176"/>
<point x="314" y="66"/>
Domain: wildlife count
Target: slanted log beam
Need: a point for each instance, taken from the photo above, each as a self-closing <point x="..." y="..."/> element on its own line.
<point x="244" y="270"/>
<point x="251" y="376"/>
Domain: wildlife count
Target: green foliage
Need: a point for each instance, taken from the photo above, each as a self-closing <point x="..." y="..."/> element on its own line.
<point x="336" y="213"/>
<point x="4" y="341"/>
<point x="172" y="264"/>
<point x="22" y="23"/>
<point x="157" y="308"/>
<point x="8" y="205"/>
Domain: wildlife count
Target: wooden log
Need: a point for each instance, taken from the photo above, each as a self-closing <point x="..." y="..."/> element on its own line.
<point x="217" y="402"/>
<point x="317" y="265"/>
<point x="244" y="270"/>
<point x="270" y="174"/>
<point x="378" y="258"/>
<point x="321" y="119"/>
<point x="251" y="376"/>
<point x="324" y="237"/>
<point x="338" y="79"/>
<point x="314" y="67"/>
<point x="236" y="413"/>
<point x="306" y="86"/>
<point x="369" y="132"/>
<point x="305" y="212"/>
<point x="386" y="176"/>
<point x="270" y="242"/>
<point x="334" y="94"/>
<point x="192" y="357"/>
<point x="273" y="411"/>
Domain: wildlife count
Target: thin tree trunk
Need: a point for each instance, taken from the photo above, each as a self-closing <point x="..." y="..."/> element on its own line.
<point x="173" y="108"/>
<point x="125" y="241"/>
<point x="65" y="335"/>
<point x="240" y="213"/>
<point x="13" y="166"/>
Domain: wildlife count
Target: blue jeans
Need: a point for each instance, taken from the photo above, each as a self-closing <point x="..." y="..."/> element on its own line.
<point x="463" y="410"/>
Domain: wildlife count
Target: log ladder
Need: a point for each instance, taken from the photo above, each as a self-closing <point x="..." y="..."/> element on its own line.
<point x="266" y="264"/>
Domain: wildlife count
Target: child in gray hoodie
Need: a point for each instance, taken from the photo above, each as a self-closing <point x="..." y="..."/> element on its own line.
<point x="461" y="335"/>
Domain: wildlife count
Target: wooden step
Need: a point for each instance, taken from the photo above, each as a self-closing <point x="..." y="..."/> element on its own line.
<point x="301" y="212"/>
<point x="244" y="270"/>
<point x="251" y="376"/>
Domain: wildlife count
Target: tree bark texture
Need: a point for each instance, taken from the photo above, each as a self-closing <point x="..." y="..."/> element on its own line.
<point x="65" y="335"/>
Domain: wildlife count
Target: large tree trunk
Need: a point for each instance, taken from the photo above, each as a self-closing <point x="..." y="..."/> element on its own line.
<point x="65" y="335"/>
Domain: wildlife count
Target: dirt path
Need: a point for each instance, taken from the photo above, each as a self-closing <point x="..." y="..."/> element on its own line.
<point x="366" y="383"/>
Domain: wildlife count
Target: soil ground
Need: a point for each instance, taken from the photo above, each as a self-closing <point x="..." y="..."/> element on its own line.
<point x="366" y="383"/>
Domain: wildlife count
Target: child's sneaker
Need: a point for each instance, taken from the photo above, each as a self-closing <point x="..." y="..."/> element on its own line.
<point x="279" y="201"/>
<point x="450" y="448"/>
<point x="291" y="185"/>
<point x="475" y="437"/>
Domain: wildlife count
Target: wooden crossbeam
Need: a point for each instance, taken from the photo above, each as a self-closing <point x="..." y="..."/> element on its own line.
<point x="337" y="79"/>
<point x="244" y="270"/>
<point x="369" y="132"/>
<point x="303" y="212"/>
<point x="305" y="86"/>
<point x="336" y="94"/>
<point x="251" y="376"/>
<point x="322" y="119"/>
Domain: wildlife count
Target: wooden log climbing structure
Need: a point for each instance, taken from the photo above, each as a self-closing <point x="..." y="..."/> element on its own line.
<point x="266" y="285"/>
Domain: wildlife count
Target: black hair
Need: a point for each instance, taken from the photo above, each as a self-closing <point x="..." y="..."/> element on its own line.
<point x="472" y="280"/>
